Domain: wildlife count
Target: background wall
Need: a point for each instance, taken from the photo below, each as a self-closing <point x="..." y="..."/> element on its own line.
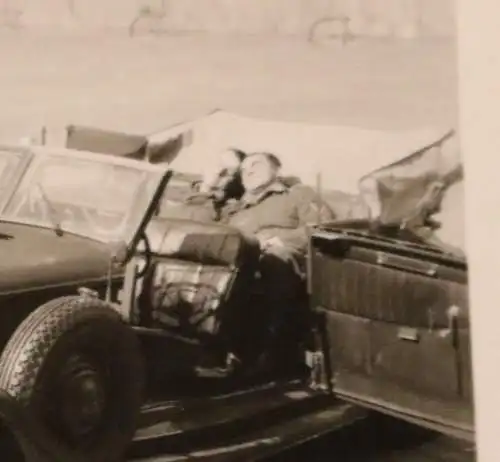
<point x="397" y="18"/>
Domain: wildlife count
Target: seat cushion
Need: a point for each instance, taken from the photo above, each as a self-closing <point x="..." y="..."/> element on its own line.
<point x="200" y="272"/>
<point x="199" y="242"/>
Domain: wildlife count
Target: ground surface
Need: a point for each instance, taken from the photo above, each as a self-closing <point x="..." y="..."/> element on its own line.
<point x="145" y="84"/>
<point x="382" y="440"/>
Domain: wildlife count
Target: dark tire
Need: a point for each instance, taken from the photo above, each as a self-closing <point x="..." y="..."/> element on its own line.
<point x="78" y="369"/>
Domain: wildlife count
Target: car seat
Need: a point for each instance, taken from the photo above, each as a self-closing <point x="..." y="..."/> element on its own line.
<point x="198" y="277"/>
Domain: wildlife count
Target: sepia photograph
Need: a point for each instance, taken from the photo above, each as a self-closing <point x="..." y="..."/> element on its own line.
<point x="236" y="231"/>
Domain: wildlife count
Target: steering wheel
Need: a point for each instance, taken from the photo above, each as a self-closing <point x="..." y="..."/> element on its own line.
<point x="188" y="314"/>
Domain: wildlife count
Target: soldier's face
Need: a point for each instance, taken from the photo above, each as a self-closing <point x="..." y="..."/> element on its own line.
<point x="257" y="171"/>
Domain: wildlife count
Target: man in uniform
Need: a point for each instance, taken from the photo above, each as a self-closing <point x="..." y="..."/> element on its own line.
<point x="278" y="214"/>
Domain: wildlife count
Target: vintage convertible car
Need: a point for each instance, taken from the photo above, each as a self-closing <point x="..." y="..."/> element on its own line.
<point x="387" y="327"/>
<point x="58" y="231"/>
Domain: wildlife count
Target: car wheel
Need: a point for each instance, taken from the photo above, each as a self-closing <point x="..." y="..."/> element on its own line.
<point x="78" y="369"/>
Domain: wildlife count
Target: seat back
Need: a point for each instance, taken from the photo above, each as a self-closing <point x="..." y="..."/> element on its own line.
<point x="197" y="279"/>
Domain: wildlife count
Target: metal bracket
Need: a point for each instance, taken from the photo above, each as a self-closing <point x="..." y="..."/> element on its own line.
<point x="409" y="334"/>
<point x="406" y="264"/>
<point x="87" y="292"/>
<point x="315" y="360"/>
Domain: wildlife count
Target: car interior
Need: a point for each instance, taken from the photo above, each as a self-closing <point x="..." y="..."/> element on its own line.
<point x="193" y="282"/>
<point x="195" y="287"/>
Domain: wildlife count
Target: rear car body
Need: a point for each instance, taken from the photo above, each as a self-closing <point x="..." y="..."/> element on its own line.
<point x="396" y="318"/>
<point x="393" y="291"/>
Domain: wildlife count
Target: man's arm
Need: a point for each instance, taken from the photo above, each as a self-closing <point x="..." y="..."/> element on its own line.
<point x="310" y="210"/>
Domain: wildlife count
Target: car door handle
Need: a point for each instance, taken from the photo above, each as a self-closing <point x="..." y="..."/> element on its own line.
<point x="410" y="334"/>
<point x="406" y="264"/>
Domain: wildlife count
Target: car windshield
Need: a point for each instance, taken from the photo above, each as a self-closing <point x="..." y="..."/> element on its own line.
<point x="91" y="195"/>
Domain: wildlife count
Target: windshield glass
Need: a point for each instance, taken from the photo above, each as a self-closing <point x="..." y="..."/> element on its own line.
<point x="92" y="195"/>
<point x="11" y="163"/>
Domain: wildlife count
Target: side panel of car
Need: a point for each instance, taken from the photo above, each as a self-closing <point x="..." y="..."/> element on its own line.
<point x="397" y="328"/>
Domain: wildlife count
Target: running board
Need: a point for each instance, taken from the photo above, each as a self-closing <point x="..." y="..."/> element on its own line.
<point x="184" y="424"/>
<point x="451" y="431"/>
<point x="268" y="440"/>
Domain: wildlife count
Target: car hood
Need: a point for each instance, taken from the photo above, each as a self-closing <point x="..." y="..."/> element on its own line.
<point x="32" y="257"/>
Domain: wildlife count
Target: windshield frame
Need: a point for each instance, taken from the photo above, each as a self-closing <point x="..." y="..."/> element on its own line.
<point x="155" y="177"/>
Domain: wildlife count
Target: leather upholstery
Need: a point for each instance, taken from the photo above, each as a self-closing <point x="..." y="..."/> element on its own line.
<point x="206" y="243"/>
<point x="198" y="275"/>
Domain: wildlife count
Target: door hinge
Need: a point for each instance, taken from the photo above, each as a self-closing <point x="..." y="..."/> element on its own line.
<point x="409" y="334"/>
<point x="315" y="360"/>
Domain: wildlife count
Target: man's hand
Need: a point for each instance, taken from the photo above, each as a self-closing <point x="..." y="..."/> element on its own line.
<point x="267" y="243"/>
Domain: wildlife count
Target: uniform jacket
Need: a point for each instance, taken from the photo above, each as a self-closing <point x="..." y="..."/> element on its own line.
<point x="281" y="211"/>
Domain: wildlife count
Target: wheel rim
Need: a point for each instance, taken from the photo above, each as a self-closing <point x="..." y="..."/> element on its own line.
<point x="80" y="398"/>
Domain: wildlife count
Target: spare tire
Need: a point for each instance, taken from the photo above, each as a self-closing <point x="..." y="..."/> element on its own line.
<point x="77" y="368"/>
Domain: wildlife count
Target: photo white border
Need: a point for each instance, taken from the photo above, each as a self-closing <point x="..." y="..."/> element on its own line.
<point x="478" y="40"/>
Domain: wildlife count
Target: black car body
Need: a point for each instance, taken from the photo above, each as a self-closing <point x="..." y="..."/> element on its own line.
<point x="397" y="324"/>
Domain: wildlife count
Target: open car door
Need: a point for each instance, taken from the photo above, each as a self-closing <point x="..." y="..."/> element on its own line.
<point x="395" y="304"/>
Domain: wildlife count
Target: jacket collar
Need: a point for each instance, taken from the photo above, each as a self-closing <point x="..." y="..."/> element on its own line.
<point x="251" y="198"/>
